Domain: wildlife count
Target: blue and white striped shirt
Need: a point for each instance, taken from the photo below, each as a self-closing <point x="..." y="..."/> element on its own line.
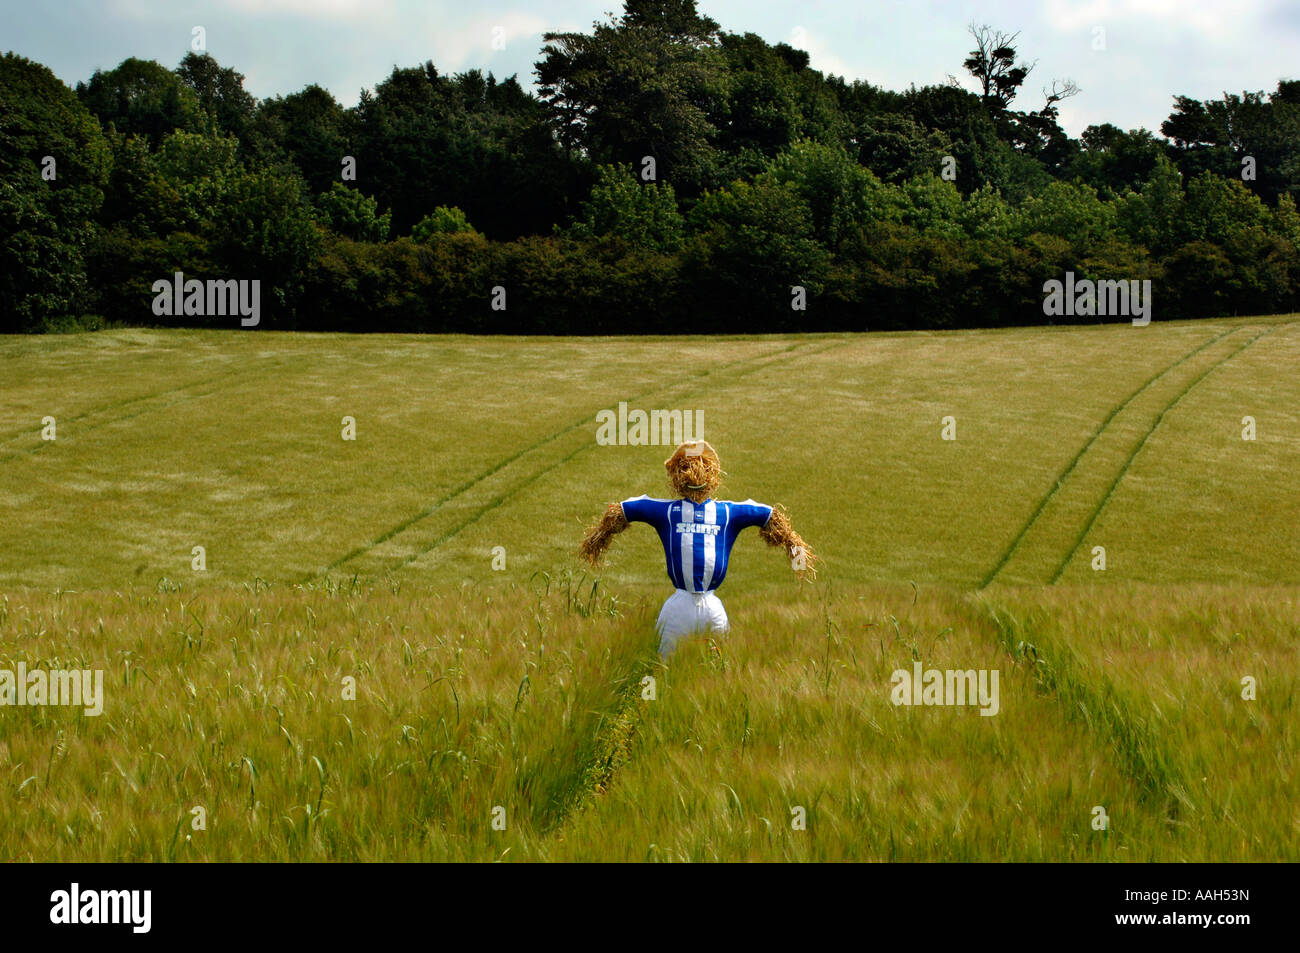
<point x="697" y="537"/>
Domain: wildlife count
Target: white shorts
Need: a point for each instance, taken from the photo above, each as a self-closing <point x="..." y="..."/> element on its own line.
<point x="689" y="613"/>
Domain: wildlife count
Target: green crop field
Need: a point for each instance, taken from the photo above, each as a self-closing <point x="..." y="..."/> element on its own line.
<point x="387" y="648"/>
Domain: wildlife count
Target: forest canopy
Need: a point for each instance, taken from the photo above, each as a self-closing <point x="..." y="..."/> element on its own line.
<point x="666" y="175"/>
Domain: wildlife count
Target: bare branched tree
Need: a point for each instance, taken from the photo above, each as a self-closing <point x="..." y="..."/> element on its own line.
<point x="993" y="64"/>
<point x="1061" y="89"/>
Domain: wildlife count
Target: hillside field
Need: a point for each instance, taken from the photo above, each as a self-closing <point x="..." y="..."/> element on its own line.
<point x="392" y="652"/>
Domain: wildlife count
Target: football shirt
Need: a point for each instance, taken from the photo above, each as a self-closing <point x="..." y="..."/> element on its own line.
<point x="697" y="537"/>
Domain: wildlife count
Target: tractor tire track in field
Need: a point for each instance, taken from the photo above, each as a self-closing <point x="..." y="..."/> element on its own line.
<point x="1070" y="467"/>
<point x="487" y="508"/>
<point x="239" y="373"/>
<point x="612" y="741"/>
<point x="758" y="363"/>
<point x="1101" y="505"/>
<point x="14" y="435"/>
<point x="1131" y="732"/>
<point x="469" y="484"/>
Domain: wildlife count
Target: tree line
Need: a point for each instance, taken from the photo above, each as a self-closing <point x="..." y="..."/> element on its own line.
<point x="666" y="176"/>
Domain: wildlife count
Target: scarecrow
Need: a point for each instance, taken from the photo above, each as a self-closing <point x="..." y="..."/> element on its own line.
<point x="697" y="533"/>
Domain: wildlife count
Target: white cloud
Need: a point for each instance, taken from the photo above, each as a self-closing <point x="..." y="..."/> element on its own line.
<point x="471" y="45"/>
<point x="1205" y="17"/>
<point x="359" y="10"/>
<point x="820" y="54"/>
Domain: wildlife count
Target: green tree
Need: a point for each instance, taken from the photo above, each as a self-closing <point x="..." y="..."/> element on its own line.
<point x="192" y="176"/>
<point x="1038" y="134"/>
<point x="772" y="100"/>
<point x="641" y="86"/>
<point x="310" y="129"/>
<point x="933" y="207"/>
<point x="982" y="157"/>
<point x="1286" y="221"/>
<point x="425" y="140"/>
<point x="1217" y="209"/>
<point x="1153" y="215"/>
<point x="144" y="98"/>
<point x="266" y="231"/>
<point x="644" y="215"/>
<point x="752" y="243"/>
<point x="220" y="93"/>
<point x="1114" y="160"/>
<point x="835" y="189"/>
<point x="196" y="206"/>
<point x="1220" y="135"/>
<point x="1074" y="212"/>
<point x="897" y="148"/>
<point x="46" y="223"/>
<point x="352" y="214"/>
<point x="441" y="221"/>
<point x="986" y="216"/>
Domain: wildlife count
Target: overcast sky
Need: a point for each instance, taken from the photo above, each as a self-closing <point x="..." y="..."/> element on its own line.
<point x="1153" y="49"/>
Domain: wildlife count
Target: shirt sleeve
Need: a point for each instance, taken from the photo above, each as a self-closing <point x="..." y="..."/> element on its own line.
<point x="642" y="509"/>
<point x="750" y="513"/>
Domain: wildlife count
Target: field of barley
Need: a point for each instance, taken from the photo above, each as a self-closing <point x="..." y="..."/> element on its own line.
<point x="387" y="649"/>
